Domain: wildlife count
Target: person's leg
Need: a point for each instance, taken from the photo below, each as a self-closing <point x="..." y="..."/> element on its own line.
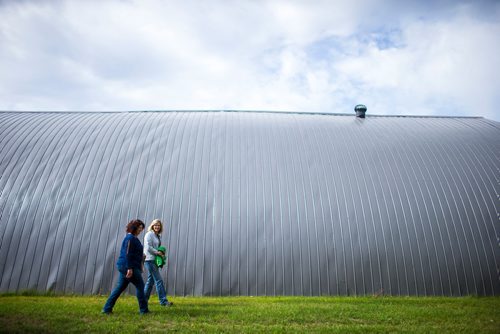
<point x="150" y="280"/>
<point x="136" y="279"/>
<point x="121" y="285"/>
<point x="160" y="288"/>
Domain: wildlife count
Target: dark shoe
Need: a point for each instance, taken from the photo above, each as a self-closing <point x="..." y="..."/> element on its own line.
<point x="107" y="313"/>
<point x="145" y="312"/>
<point x="168" y="304"/>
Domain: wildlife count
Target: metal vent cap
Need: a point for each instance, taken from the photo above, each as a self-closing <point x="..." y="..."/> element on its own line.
<point x="360" y="110"/>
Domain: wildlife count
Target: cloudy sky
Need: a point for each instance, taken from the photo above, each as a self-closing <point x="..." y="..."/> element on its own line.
<point x="397" y="57"/>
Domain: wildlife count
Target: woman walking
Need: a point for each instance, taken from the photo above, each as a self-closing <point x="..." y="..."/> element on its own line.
<point x="152" y="250"/>
<point x="129" y="266"/>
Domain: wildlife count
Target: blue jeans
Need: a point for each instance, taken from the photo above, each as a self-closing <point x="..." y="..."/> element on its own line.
<point x="154" y="277"/>
<point x="122" y="284"/>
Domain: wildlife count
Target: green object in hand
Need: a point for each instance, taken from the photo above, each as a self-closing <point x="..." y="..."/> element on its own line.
<point x="161" y="260"/>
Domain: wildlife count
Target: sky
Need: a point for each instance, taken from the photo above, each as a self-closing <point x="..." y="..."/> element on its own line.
<point x="433" y="58"/>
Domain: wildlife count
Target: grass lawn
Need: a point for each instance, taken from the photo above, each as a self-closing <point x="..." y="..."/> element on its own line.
<point x="78" y="314"/>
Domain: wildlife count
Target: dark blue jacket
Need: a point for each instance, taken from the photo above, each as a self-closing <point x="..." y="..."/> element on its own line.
<point x="130" y="253"/>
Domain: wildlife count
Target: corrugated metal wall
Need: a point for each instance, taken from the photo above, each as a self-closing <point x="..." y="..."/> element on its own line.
<point x="254" y="203"/>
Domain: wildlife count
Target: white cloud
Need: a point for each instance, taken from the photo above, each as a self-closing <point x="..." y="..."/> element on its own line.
<point x="447" y="66"/>
<point x="263" y="55"/>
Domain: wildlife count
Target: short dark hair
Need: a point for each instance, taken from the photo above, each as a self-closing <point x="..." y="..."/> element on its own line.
<point x="133" y="226"/>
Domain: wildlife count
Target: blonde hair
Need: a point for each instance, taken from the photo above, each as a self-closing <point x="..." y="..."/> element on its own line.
<point x="156" y="221"/>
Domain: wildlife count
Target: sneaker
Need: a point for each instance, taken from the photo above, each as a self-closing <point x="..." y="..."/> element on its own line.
<point x="145" y="312"/>
<point x="168" y="304"/>
<point x="107" y="312"/>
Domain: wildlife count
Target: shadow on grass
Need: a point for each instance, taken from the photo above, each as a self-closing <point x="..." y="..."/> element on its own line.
<point x="191" y="310"/>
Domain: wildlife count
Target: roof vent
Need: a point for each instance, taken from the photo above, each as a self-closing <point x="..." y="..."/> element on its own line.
<point x="360" y="110"/>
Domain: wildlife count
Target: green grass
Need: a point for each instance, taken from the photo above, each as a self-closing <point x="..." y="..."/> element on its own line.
<point x="77" y="314"/>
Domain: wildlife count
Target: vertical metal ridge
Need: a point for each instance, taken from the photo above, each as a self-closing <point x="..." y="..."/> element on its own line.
<point x="135" y="169"/>
<point x="351" y="219"/>
<point x="297" y="216"/>
<point x="281" y="287"/>
<point x="26" y="201"/>
<point x="17" y="145"/>
<point x="225" y="265"/>
<point x="139" y="148"/>
<point x="305" y="223"/>
<point x="436" y="147"/>
<point x="418" y="216"/>
<point x="304" y="151"/>
<point x="395" y="206"/>
<point x="115" y="127"/>
<point x="253" y="203"/>
<point x="215" y="212"/>
<point x="386" y="285"/>
<point x="193" y="162"/>
<point x="400" y="272"/>
<point x="26" y="173"/>
<point x="233" y="223"/>
<point x="341" y="222"/>
<point x="112" y="238"/>
<point x="170" y="190"/>
<point x="326" y="152"/>
<point x="320" y="153"/>
<point x="153" y="157"/>
<point x="99" y="172"/>
<point x="176" y="210"/>
<point x="270" y="226"/>
<point x="207" y="205"/>
<point x="195" y="266"/>
<point x="458" y="192"/>
<point x="6" y="164"/>
<point x="191" y="187"/>
<point x="415" y="150"/>
<point x="236" y="209"/>
<point x="475" y="215"/>
<point x="9" y="126"/>
<point x="240" y="161"/>
<point x="287" y="156"/>
<point x="83" y="203"/>
<point x="168" y="221"/>
<point x="376" y="289"/>
<point x="358" y="148"/>
<point x="24" y="279"/>
<point x="247" y="216"/>
<point x="56" y="174"/>
<point x="254" y="227"/>
<point x="404" y="199"/>
<point x="260" y="206"/>
<point x="406" y="143"/>
<point x="165" y="180"/>
<point x="473" y="206"/>
<point x="486" y="199"/>
<point x="265" y="199"/>
<point x="222" y="224"/>
<point x="481" y="189"/>
<point x="149" y="167"/>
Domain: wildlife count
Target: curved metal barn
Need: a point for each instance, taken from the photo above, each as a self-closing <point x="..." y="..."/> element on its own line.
<point x="254" y="203"/>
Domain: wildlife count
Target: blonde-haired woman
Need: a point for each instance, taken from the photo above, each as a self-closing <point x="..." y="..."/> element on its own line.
<point x="152" y="241"/>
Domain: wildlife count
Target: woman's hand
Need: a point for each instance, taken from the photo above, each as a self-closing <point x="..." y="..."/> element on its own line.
<point x="129" y="273"/>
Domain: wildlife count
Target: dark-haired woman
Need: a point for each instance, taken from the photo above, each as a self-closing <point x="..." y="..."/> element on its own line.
<point x="129" y="266"/>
